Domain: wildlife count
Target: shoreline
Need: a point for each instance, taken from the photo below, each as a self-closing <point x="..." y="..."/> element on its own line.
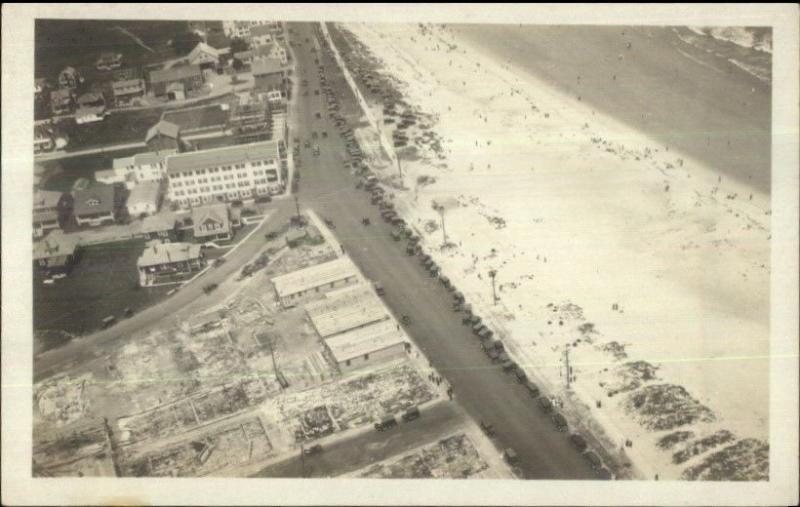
<point x="722" y="89"/>
<point x="573" y="194"/>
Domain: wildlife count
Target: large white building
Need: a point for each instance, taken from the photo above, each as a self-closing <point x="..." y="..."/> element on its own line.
<point x="222" y="174"/>
<point x="370" y="345"/>
<point x="301" y="285"/>
<point x="241" y="29"/>
<point x="346" y="309"/>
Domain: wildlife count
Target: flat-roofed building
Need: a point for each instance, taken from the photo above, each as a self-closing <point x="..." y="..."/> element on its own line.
<point x="222" y="174"/>
<point x="145" y="198"/>
<point x="346" y="309"/>
<point x="370" y="345"/>
<point x="298" y="286"/>
<point x="126" y="91"/>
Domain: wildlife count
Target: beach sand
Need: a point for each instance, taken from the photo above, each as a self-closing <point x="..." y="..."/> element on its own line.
<point x="589" y="221"/>
<point x="687" y="98"/>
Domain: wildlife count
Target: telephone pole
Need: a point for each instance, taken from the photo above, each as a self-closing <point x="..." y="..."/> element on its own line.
<point x="444" y="232"/>
<point x="297" y="206"/>
<point x="492" y="275"/>
<point x="566" y="365"/>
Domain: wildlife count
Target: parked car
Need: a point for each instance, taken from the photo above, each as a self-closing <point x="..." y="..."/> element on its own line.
<point x="314" y="449"/>
<point x="546" y="404"/>
<point x="209" y="288"/>
<point x="560" y="421"/>
<point x="379" y="289"/>
<point x="411" y="414"/>
<point x="594" y="460"/>
<point x="521" y="375"/>
<point x="578" y="441"/>
<point x="487" y="428"/>
<point x="263" y="199"/>
<point x="219" y="261"/>
<point x="386" y="424"/>
<point x="532" y="388"/>
<point x="510" y="456"/>
<point x="109" y="321"/>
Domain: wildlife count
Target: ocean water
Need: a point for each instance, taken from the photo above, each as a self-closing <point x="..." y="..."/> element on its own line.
<point x="699" y="94"/>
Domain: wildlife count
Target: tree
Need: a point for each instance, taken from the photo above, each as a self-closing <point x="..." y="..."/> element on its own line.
<point x="184" y="42"/>
<point x="238" y="44"/>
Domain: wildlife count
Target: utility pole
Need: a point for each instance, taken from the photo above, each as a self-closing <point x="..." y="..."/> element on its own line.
<point x="303" y="459"/>
<point x="566" y="365"/>
<point x="297" y="206"/>
<point x="444" y="232"/>
<point x="492" y="275"/>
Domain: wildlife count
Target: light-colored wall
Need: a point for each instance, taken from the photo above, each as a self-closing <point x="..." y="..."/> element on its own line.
<point x="375" y="359"/>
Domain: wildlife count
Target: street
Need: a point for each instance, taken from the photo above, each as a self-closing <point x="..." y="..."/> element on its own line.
<point x="358" y="451"/>
<point x="480" y="387"/>
<point x="84" y="349"/>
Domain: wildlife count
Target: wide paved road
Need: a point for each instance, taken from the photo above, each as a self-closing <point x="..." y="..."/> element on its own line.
<point x="350" y="454"/>
<point x="481" y="388"/>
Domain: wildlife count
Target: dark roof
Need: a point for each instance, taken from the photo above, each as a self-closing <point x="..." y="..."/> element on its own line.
<point x="98" y="198"/>
<point x="165" y="128"/>
<point x="175" y="73"/>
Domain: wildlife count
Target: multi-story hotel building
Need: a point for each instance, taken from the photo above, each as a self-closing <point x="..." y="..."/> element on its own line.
<point x="222" y="174"/>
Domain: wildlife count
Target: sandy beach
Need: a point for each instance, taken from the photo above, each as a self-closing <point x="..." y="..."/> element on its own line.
<point x="624" y="231"/>
<point x="706" y="106"/>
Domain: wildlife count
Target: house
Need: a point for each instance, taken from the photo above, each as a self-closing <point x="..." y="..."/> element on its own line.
<point x="42" y="139"/>
<point x="164" y="137"/>
<point x="139" y="168"/>
<point x="345" y="309"/>
<point x="109" y="61"/>
<point x="240" y="29"/>
<point x="61" y="101"/>
<point x="145" y="198"/>
<point x="46" y="210"/>
<point x="269" y="77"/>
<point x="39" y="85"/>
<point x="250" y="121"/>
<point x="169" y="263"/>
<point x="55" y="254"/>
<point x="244" y="57"/>
<point x="69" y="78"/>
<point x="95" y="205"/>
<point x="212" y="223"/>
<point x="91" y="108"/>
<point x="371" y="345"/>
<point x="188" y="77"/>
<point x="298" y="286"/>
<point x="275" y="51"/>
<point x="204" y="56"/>
<point x="127" y="91"/>
<point x="261" y="35"/>
<point x="162" y="226"/>
<point x="230" y="173"/>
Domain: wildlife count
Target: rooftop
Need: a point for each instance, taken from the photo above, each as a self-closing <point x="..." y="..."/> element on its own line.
<point x="314" y="276"/>
<point x="158" y="223"/>
<point x="365" y="340"/>
<point x="165" y="128"/>
<point x="44" y="199"/>
<point x="168" y="253"/>
<point x="202" y="47"/>
<point x="175" y="73"/>
<point x="222" y="156"/>
<point x="257" y="30"/>
<point x="98" y="198"/>
<point x="215" y="213"/>
<point x="346" y="309"/>
<point x="126" y="85"/>
<point x="266" y="66"/>
<point x="144" y="193"/>
<point x="55" y="244"/>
